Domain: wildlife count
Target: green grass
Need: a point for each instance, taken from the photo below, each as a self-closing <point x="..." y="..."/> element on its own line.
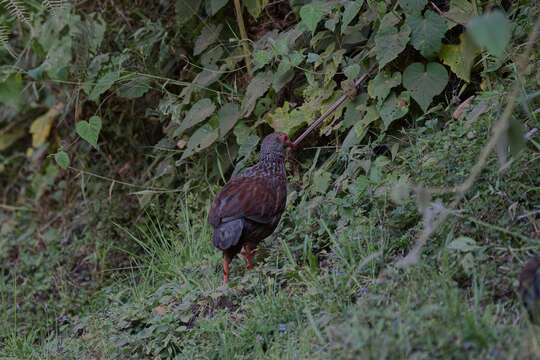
<point x="325" y="285"/>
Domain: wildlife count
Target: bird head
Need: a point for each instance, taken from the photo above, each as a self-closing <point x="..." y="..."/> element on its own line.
<point x="275" y="144"/>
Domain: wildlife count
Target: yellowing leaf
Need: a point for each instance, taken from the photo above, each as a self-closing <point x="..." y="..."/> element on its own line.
<point x="41" y="127"/>
<point x="460" y="58"/>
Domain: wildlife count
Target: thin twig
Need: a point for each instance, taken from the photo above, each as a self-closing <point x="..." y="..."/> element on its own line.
<point x="444" y="15"/>
<point x="332" y="108"/>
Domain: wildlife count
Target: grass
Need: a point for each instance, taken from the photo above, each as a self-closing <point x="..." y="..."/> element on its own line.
<point x="319" y="290"/>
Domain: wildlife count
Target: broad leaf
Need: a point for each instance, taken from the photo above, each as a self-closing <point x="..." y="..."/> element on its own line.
<point x="412" y="6"/>
<point x="261" y="58"/>
<point x="134" y="88"/>
<point x="311" y="14"/>
<point x="89" y="130"/>
<point x="228" y="115"/>
<point x="349" y="12"/>
<point x="62" y="159"/>
<point x="394" y="107"/>
<point x="202" y="138"/>
<point x="461" y="11"/>
<point x="208" y="36"/>
<point x="256" y="88"/>
<point x="381" y="84"/>
<point x="199" y="112"/>
<point x="41" y="126"/>
<point x="460" y="58"/>
<point x="255" y="7"/>
<point x="463" y="243"/>
<point x="213" y="6"/>
<point x="104" y="83"/>
<point x="427" y="32"/>
<point x="352" y="71"/>
<point x="186" y="9"/>
<point x="491" y="31"/>
<point x="11" y="91"/>
<point x="425" y="82"/>
<point x="389" y="43"/>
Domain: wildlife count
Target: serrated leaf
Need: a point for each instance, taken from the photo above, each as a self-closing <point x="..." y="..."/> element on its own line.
<point x="425" y="82"/>
<point x="199" y="112"/>
<point x="311" y="14"/>
<point x="202" y="138"/>
<point x="103" y="84"/>
<point x="427" y="32"/>
<point x="463" y="243"/>
<point x="460" y="11"/>
<point x="213" y="6"/>
<point x="389" y="43"/>
<point x="134" y="88"/>
<point x="352" y="71"/>
<point x="255" y="7"/>
<point x="394" y="107"/>
<point x="186" y="9"/>
<point x="89" y="130"/>
<point x="62" y="159"/>
<point x="256" y="88"/>
<point x="228" y="115"/>
<point x="379" y="87"/>
<point x="460" y="58"/>
<point x="412" y="6"/>
<point x="349" y="12"/>
<point x="209" y="34"/>
<point x="41" y="126"/>
<point x="261" y="58"/>
<point x="491" y="31"/>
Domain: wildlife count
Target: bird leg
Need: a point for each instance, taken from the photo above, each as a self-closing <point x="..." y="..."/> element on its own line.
<point x="226" y="263"/>
<point x="249" y="252"/>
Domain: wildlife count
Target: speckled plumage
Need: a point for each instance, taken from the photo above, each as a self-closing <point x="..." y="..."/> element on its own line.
<point x="249" y="206"/>
<point x="529" y="288"/>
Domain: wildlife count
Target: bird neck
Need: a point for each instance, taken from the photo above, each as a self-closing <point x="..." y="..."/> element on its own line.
<point x="273" y="163"/>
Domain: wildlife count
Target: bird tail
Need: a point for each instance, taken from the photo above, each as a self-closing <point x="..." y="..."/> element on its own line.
<point x="228" y="234"/>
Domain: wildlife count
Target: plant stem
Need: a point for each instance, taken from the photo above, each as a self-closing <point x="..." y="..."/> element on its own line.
<point x="243" y="34"/>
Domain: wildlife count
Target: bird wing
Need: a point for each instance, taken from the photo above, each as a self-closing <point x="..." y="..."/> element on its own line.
<point x="255" y="198"/>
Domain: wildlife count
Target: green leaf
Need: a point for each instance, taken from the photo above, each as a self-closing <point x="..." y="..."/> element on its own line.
<point x="208" y="36"/>
<point x="352" y="71"/>
<point x="389" y="43"/>
<point x="104" y="83"/>
<point x="394" y="107"/>
<point x="381" y="84"/>
<point x="412" y="6"/>
<point x="321" y="181"/>
<point x="256" y="88"/>
<point x="425" y="82"/>
<point x="202" y="138"/>
<point x="282" y="76"/>
<point x="311" y="14"/>
<point x="211" y="56"/>
<point x="11" y="91"/>
<point x="134" y="88"/>
<point x="213" y="6"/>
<point x="62" y="159"/>
<point x="255" y="7"/>
<point x="228" y="115"/>
<point x="427" y="32"/>
<point x="460" y="58"/>
<point x="186" y="9"/>
<point x="349" y="12"/>
<point x="89" y="130"/>
<point x="463" y="243"/>
<point x="261" y="58"/>
<point x="460" y="11"/>
<point x="491" y="31"/>
<point x="199" y="112"/>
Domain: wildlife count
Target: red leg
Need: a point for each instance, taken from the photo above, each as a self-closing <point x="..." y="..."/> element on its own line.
<point x="249" y="252"/>
<point x="226" y="263"/>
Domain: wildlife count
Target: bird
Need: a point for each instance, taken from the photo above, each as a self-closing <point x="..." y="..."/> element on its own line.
<point x="529" y="288"/>
<point x="249" y="206"/>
